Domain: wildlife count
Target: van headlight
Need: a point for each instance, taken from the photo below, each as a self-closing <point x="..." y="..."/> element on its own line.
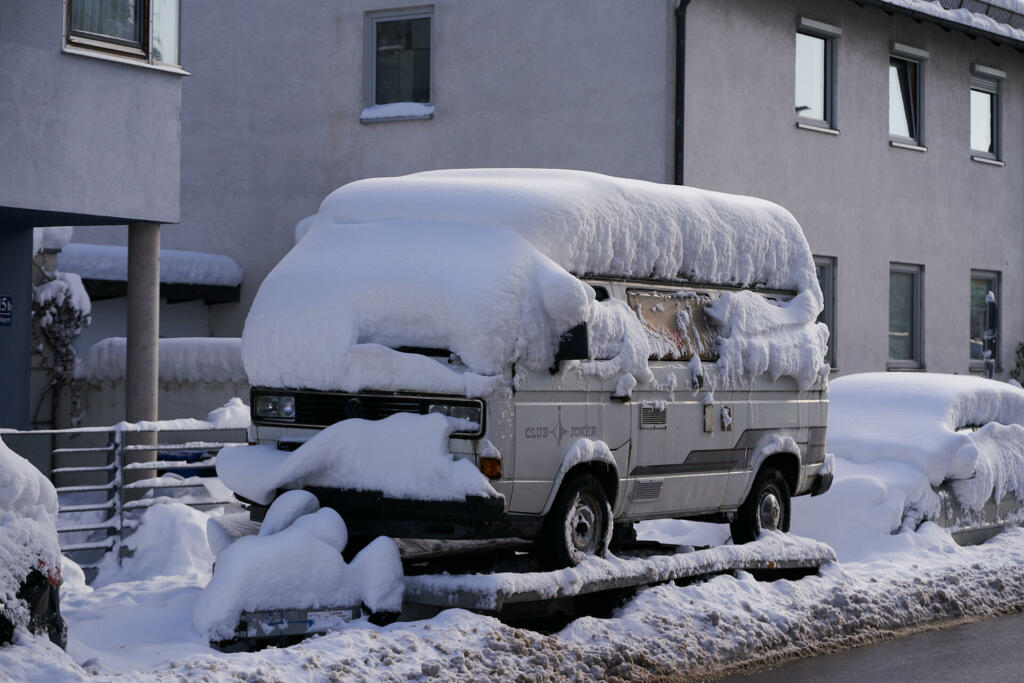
<point x="276" y="407"/>
<point x="461" y="411"/>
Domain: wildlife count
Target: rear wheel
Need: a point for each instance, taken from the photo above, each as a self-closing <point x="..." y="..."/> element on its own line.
<point x="767" y="507"/>
<point x="577" y="525"/>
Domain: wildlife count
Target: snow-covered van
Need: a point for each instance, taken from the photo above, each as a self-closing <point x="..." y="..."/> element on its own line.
<point x="538" y="354"/>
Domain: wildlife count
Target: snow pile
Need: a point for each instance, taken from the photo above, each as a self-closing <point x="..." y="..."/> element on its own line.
<point x="109" y="262"/>
<point x="65" y="288"/>
<point x="232" y="415"/>
<point x="28" y="534"/>
<point x="965" y="17"/>
<point x="52" y="238"/>
<point x="298" y="566"/>
<point x="402" y="456"/>
<point x="182" y="359"/>
<point x="478" y="262"/>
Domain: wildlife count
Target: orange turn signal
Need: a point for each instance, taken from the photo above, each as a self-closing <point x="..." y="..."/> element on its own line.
<point x="491" y="467"/>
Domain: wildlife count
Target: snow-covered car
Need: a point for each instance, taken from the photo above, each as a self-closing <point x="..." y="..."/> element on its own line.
<point x="916" y="447"/>
<point x="30" y="559"/>
<point x="541" y="354"/>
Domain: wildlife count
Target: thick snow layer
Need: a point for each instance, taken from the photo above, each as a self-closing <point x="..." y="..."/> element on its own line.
<point x="64" y="287"/>
<point x="109" y="262"/>
<point x="288" y="507"/>
<point x="182" y="359"/>
<point x="51" y="239"/>
<point x="28" y="534"/>
<point x="966" y="17"/>
<point x="299" y="566"/>
<point x="232" y="415"/>
<point x="482" y="271"/>
<point x="402" y="456"/>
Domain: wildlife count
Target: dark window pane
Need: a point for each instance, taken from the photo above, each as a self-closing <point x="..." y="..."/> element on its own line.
<point x="825" y="271"/>
<point x="902" y="335"/>
<point x="980" y="287"/>
<point x="810" y="76"/>
<point x="982" y="121"/>
<point x="403" y="61"/>
<point x="120" y="20"/>
<point x="903" y="98"/>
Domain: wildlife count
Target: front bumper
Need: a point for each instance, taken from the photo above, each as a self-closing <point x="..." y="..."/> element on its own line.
<point x="821" y="483"/>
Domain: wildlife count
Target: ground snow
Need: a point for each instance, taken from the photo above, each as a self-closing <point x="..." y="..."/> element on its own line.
<point x="402" y="456"/>
<point x="182" y="359"/>
<point x="109" y="262"/>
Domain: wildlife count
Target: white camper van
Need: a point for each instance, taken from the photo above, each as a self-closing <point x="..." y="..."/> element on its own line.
<point x="540" y="354"/>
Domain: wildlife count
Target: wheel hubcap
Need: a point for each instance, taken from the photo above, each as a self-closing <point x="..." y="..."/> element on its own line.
<point x="769" y="513"/>
<point x="584" y="526"/>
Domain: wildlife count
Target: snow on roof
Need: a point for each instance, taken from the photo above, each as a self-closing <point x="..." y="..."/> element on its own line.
<point x="52" y="238"/>
<point x="996" y="18"/>
<point x="110" y="262"/>
<point x="182" y="359"/>
<point x="590" y="223"/>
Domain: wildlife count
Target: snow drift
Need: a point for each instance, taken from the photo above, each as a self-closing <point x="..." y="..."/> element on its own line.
<point x="478" y="262"/>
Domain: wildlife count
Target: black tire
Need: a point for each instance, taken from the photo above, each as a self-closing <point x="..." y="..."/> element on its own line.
<point x="577" y="526"/>
<point x="767" y="507"/>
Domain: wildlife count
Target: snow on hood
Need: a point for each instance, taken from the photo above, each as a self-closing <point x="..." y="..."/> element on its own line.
<point x="478" y="262"/>
<point x="28" y="533"/>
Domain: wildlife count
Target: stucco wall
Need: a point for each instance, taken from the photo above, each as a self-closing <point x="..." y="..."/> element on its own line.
<point x="81" y="135"/>
<point x="859" y="199"/>
<point x="271" y="119"/>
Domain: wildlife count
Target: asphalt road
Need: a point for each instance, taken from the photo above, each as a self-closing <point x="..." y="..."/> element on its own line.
<point x="989" y="650"/>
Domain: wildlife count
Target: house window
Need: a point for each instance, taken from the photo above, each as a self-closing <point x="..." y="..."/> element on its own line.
<point x="982" y="283"/>
<point x="815" y="73"/>
<point x="906" y="347"/>
<point x="825" y="269"/>
<point x="142" y="29"/>
<point x="904" y="100"/>
<point x="985" y="112"/>
<point x="398" y="58"/>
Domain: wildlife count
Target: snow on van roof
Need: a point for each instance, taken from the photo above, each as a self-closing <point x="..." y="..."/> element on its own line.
<point x="590" y="223"/>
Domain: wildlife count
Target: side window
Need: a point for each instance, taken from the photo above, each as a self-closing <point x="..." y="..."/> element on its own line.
<point x="675" y="322"/>
<point x="815" y="74"/>
<point x="906" y="120"/>
<point x="398" y="65"/>
<point x="825" y="269"/>
<point x="982" y="283"/>
<point x="985" y="113"/>
<point x="906" y="298"/>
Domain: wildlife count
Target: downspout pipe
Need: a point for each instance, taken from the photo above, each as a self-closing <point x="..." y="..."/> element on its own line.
<point x="680" y="93"/>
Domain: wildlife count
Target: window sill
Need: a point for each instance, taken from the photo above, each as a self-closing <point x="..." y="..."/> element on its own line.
<point x="397" y="111"/>
<point x="904" y="366"/>
<point x="978" y="366"/>
<point x="108" y="57"/>
<point x="899" y="144"/>
<point x="816" y="128"/>
<point x="987" y="161"/>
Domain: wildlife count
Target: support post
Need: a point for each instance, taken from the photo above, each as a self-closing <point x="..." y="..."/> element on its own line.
<point x="143" y="362"/>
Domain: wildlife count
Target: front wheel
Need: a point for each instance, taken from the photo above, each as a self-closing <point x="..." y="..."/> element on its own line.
<point x="766" y="508"/>
<point x="577" y="526"/>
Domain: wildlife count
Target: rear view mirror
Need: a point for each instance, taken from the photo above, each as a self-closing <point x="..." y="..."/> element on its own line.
<point x="573" y="344"/>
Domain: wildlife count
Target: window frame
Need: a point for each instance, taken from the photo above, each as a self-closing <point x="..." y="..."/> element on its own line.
<point x="989" y="81"/>
<point x="109" y="48"/>
<point x="915" y="57"/>
<point x="830" y="265"/>
<point x="978" y="364"/>
<point x="916" y="361"/>
<point x="828" y="33"/>
<point x="371" y="19"/>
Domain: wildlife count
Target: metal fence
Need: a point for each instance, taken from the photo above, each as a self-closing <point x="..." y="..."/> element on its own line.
<point x="97" y="470"/>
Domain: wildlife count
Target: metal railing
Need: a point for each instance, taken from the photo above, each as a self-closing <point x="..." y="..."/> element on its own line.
<point x="103" y="470"/>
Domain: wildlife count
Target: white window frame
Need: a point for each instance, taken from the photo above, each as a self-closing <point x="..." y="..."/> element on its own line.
<point x="114" y="51"/>
<point x="829" y="33"/>
<point x="829" y="264"/>
<point x="989" y="80"/>
<point x="916" y="361"/>
<point x="370" y="61"/>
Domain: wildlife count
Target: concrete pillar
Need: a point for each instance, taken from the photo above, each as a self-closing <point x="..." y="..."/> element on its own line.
<point x="15" y="324"/>
<point x="143" y="362"/>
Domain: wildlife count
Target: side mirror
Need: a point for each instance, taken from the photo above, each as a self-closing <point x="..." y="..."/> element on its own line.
<point x="573" y="344"/>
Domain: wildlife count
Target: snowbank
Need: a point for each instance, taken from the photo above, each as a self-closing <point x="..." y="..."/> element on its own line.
<point x="182" y="359"/>
<point x="109" y="262"/>
<point x="402" y="456"/>
<point x="299" y="566"/>
<point x="478" y="262"/>
<point x="28" y="534"/>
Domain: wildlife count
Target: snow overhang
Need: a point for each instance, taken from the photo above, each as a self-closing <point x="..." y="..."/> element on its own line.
<point x="1000" y="21"/>
<point x="184" y="275"/>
